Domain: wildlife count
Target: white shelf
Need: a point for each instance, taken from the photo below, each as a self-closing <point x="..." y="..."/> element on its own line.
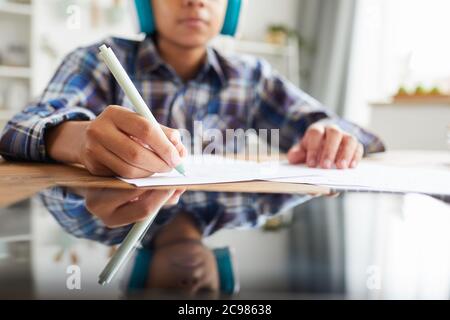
<point x="15" y="72"/>
<point x="261" y="47"/>
<point x="15" y="8"/>
<point x="16" y="238"/>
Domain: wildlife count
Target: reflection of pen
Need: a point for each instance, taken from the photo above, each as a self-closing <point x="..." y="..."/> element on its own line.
<point x="130" y="90"/>
<point x="129" y="243"/>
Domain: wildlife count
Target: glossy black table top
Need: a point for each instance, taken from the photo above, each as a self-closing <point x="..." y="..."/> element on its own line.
<point x="227" y="245"/>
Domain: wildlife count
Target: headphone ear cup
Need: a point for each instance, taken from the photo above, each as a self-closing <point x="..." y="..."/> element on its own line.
<point x="229" y="282"/>
<point x="145" y="15"/>
<point x="231" y="18"/>
<point x="140" y="270"/>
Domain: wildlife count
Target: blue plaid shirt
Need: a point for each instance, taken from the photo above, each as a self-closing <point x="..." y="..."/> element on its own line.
<point x="229" y="92"/>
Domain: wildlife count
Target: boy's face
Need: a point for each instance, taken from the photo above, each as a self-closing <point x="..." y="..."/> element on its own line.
<point x="189" y="23"/>
<point x="189" y="267"/>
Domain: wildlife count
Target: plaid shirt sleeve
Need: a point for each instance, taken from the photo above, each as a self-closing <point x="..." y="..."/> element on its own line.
<point x="78" y="89"/>
<point x="281" y="105"/>
<point x="71" y="213"/>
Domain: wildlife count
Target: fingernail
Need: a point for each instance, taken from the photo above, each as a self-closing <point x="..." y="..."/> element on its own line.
<point x="344" y="164"/>
<point x="327" y="164"/>
<point x="295" y="149"/>
<point x="311" y="162"/>
<point x="353" y="164"/>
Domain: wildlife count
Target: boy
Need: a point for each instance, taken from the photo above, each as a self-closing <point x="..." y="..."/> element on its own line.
<point x="83" y="116"/>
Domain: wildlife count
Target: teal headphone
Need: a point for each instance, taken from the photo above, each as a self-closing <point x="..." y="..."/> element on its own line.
<point x="147" y="21"/>
<point x="228" y="281"/>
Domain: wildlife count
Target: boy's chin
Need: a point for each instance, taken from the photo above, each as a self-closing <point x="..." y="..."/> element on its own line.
<point x="193" y="42"/>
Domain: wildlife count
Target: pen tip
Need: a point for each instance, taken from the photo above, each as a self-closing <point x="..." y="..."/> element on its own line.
<point x="180" y="169"/>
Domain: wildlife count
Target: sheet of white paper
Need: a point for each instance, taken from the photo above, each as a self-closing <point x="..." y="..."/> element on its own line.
<point x="212" y="169"/>
<point x="375" y="177"/>
<point x="366" y="177"/>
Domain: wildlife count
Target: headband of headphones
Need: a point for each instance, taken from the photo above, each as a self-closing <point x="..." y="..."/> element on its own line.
<point x="228" y="281"/>
<point x="147" y="22"/>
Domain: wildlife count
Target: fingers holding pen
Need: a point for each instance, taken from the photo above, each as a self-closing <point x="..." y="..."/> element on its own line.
<point x="150" y="135"/>
<point x="121" y="142"/>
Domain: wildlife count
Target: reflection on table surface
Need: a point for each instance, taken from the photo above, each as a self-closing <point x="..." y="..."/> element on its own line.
<point x="226" y="245"/>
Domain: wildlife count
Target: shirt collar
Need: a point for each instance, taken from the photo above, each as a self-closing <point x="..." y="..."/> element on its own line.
<point x="149" y="60"/>
<point x="213" y="63"/>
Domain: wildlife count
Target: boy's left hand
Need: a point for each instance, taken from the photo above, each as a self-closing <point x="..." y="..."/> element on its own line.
<point x="327" y="145"/>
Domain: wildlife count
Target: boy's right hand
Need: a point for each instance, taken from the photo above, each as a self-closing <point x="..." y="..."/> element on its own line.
<point x="118" y="142"/>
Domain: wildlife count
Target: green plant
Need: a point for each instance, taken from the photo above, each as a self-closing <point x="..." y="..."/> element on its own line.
<point x="402" y="91"/>
<point x="290" y="33"/>
<point x="435" y="91"/>
<point x="420" y="90"/>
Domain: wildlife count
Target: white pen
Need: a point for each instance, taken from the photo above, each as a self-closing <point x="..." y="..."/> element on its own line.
<point x="132" y="93"/>
<point x="129" y="243"/>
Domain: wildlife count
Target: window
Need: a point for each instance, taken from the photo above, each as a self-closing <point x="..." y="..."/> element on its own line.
<point x="397" y="43"/>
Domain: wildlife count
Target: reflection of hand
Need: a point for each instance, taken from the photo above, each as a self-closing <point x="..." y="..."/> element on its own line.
<point x="118" y="207"/>
<point x="334" y="195"/>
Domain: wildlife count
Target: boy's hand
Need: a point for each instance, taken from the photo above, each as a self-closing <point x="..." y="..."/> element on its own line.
<point x="327" y="145"/>
<point x="118" y="142"/>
